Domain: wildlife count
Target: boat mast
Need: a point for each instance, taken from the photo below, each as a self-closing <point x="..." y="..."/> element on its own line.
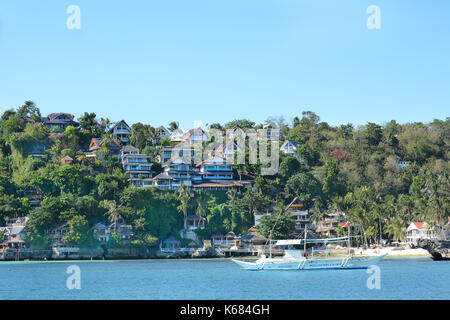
<point x="270" y="244"/>
<point x="304" y="244"/>
<point x="348" y="240"/>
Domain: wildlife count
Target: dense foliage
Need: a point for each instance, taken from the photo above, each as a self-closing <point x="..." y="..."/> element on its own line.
<point x="355" y="170"/>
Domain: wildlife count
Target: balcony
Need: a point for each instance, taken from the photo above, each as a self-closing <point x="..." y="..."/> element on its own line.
<point x="121" y="131"/>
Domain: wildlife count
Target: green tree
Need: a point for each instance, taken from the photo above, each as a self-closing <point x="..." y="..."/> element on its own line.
<point x="396" y="228"/>
<point x="113" y="211"/>
<point x="304" y="186"/>
<point x="184" y="197"/>
<point x="79" y="233"/>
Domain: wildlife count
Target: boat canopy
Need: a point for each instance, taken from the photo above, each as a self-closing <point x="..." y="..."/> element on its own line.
<point x="301" y="241"/>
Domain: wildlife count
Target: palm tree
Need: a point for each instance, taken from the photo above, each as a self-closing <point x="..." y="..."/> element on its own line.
<point x="396" y="228"/>
<point x="318" y="213"/>
<point x="113" y="211"/>
<point x="184" y="196"/>
<point x="173" y="126"/>
<point x="378" y="212"/>
<point x="106" y="124"/>
<point x="250" y="199"/>
<point x="201" y="210"/>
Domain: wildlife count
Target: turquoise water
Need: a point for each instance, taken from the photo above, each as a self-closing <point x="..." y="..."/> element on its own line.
<point x="401" y="278"/>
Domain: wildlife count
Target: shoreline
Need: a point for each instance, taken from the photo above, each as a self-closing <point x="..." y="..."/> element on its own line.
<point x="391" y="251"/>
<point x="359" y="253"/>
<point x="178" y="259"/>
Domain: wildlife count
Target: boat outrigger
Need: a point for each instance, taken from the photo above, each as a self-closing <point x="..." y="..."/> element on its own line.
<point x="298" y="260"/>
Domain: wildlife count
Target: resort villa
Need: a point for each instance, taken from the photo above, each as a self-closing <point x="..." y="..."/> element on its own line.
<point x="60" y="121"/>
<point x="97" y="143"/>
<point x="289" y="147"/>
<point x="162" y="133"/>
<point x="121" y="131"/>
<point x="301" y="215"/>
<point x="419" y="230"/>
<point x="137" y="167"/>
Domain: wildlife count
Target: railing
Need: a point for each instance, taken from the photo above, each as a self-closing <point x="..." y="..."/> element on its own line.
<point x="173" y="250"/>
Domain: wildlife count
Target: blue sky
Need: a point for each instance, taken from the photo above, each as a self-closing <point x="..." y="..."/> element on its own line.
<point x="215" y="61"/>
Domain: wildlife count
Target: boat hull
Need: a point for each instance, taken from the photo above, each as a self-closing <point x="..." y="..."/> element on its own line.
<point x="309" y="264"/>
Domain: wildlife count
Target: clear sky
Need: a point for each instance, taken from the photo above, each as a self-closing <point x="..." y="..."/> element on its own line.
<point x="156" y="61"/>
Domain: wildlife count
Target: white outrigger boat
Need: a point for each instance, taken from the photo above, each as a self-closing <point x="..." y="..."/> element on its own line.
<point x="297" y="260"/>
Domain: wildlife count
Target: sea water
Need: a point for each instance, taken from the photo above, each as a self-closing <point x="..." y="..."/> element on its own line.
<point x="398" y="278"/>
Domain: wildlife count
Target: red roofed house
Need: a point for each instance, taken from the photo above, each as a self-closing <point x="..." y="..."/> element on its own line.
<point x="196" y="135"/>
<point x="419" y="230"/>
<point x="97" y="143"/>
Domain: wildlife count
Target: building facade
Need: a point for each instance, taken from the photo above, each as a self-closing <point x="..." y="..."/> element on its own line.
<point x="121" y="131"/>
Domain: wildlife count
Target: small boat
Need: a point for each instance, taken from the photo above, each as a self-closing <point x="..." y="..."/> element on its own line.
<point x="298" y="259"/>
<point x="291" y="262"/>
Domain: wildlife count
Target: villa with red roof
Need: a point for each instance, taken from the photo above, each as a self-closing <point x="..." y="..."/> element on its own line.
<point x="419" y="230"/>
<point x="196" y="135"/>
<point x="97" y="143"/>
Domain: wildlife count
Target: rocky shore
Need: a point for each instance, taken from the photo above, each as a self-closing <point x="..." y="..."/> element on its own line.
<point x="101" y="254"/>
<point x="439" y="250"/>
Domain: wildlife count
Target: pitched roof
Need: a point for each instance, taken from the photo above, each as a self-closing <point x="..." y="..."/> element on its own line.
<point x="294" y="143"/>
<point x="163" y="176"/>
<point x="270" y="124"/>
<point x="188" y="134"/>
<point x="220" y="149"/>
<point x="171" y="240"/>
<point x="419" y="225"/>
<point x="99" y="225"/>
<point x="163" y="129"/>
<point x="211" y="158"/>
<point x="96" y="143"/>
<point x="253" y="236"/>
<point x="130" y="148"/>
<point x="52" y="116"/>
<point x="16" y="229"/>
<point x="67" y="158"/>
<point x="119" y="122"/>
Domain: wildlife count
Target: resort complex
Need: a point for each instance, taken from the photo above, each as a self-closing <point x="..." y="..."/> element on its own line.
<point x="90" y="188"/>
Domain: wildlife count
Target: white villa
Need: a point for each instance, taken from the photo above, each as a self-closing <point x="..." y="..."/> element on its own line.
<point x="121" y="131"/>
<point x="137" y="167"/>
<point x="193" y="222"/>
<point x="289" y="147"/>
<point x="162" y="133"/>
<point x="300" y="213"/>
<point x="271" y="130"/>
<point x="235" y="133"/>
<point x="212" y="174"/>
<point x="419" y="230"/>
<point x="175" y="173"/>
<point x="193" y="136"/>
<point x="186" y="152"/>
